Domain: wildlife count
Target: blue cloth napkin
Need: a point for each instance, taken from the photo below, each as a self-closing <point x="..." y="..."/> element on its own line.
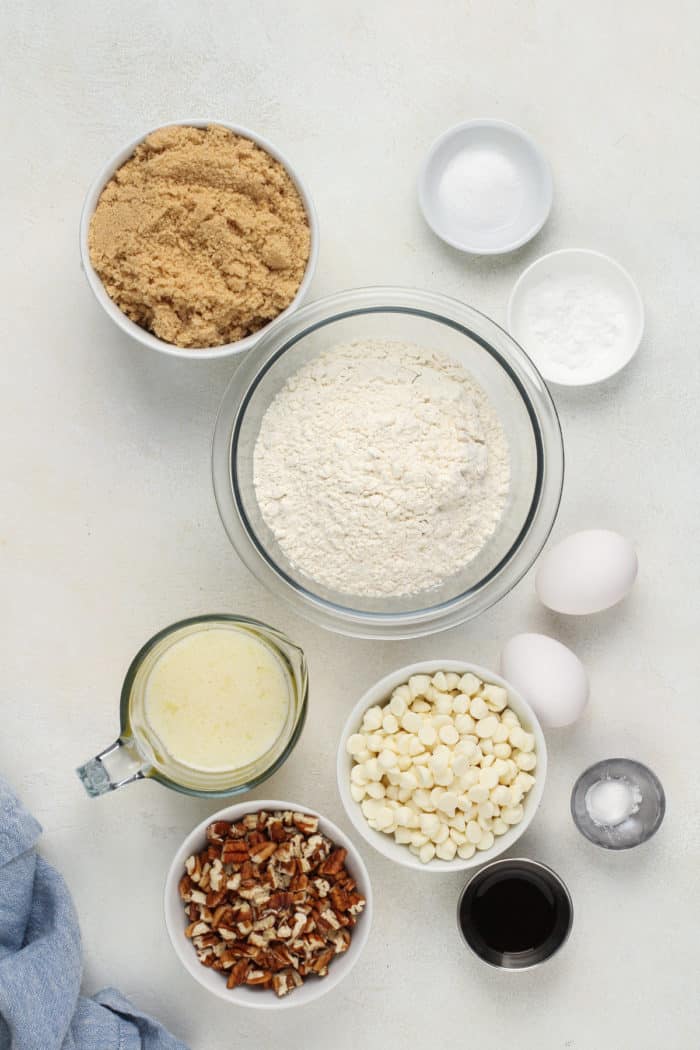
<point x="40" y="958"/>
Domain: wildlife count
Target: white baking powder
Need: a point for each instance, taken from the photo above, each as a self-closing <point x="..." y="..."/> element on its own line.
<point x="574" y="327"/>
<point x="381" y="468"/>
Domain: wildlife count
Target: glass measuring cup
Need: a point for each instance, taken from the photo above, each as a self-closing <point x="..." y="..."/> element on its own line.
<point x="138" y="753"/>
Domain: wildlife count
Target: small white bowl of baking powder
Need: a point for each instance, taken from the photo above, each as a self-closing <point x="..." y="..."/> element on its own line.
<point x="578" y="315"/>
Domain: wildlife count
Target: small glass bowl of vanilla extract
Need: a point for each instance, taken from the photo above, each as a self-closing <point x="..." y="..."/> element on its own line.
<point x="515" y="913"/>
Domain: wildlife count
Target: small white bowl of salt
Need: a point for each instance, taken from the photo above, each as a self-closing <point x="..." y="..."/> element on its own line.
<point x="485" y="187"/>
<point x="578" y="315"/>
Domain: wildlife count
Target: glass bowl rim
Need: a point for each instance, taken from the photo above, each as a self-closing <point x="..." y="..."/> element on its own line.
<point x="530" y="387"/>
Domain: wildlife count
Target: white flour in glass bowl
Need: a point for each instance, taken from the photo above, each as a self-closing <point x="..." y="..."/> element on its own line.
<point x="381" y="468"/>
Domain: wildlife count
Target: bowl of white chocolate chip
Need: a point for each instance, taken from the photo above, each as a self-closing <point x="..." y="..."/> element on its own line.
<point x="441" y="765"/>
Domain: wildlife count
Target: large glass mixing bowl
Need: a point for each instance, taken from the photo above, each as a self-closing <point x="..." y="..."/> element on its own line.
<point x="517" y="393"/>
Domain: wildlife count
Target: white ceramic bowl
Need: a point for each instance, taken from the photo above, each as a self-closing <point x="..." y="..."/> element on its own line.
<point x="214" y="982"/>
<point x="130" y="327"/>
<point x="579" y="267"/>
<point x="385" y="844"/>
<point x="485" y="187"/>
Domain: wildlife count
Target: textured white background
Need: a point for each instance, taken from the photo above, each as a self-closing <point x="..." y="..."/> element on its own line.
<point x="109" y="529"/>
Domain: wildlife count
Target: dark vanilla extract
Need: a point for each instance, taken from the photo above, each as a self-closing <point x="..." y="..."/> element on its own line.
<point x="515" y="914"/>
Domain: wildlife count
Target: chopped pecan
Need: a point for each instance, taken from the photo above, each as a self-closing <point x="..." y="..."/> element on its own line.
<point x="238" y="974"/>
<point x="320" y="963"/>
<point x="275" y="830"/>
<point x="307" y="824"/>
<point x="234" y="851"/>
<point x="185" y="888"/>
<point x="258" y="977"/>
<point x="219" y="831"/>
<point x="333" y="862"/>
<point x="262" y="851"/>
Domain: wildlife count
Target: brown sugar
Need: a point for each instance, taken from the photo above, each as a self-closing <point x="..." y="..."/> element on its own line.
<point x="201" y="237"/>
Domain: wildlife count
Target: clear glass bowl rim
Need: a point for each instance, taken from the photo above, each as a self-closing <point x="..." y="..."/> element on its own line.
<point x="546" y="434"/>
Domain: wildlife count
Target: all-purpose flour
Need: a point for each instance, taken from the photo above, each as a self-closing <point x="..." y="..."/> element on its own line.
<point x="381" y="468"/>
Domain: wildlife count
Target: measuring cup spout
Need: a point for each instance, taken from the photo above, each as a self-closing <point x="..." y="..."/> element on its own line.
<point x="114" y="767"/>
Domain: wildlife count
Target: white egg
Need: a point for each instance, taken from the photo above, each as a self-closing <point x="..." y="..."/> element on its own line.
<point x="587" y="572"/>
<point x="550" y="677"/>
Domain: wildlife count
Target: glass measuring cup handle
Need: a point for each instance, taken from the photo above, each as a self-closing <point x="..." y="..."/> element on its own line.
<point x="114" y="767"/>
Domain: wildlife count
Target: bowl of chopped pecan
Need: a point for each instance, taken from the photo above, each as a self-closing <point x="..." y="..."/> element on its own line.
<point x="268" y="904"/>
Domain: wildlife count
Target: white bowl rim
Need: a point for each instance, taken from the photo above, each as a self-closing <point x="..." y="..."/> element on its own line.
<point x="385" y="845"/>
<point x="250" y="998"/>
<point x="547" y="185"/>
<point x="614" y="264"/>
<point x="130" y="327"/>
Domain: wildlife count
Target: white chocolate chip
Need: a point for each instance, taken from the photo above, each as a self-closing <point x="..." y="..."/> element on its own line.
<point x="466" y="850"/>
<point x="398" y="706"/>
<point x="448" y="803"/>
<point x="441" y="835"/>
<point x="448" y="734"/>
<point x="486" y="840"/>
<point x="473" y="831"/>
<point x="486" y="727"/>
<point x="424" y="776"/>
<point x="460" y="704"/>
<point x="411" y="722"/>
<point x="384" y="818"/>
<point x="469" y="684"/>
<point x="429" y="823"/>
<point x="447" y="850"/>
<point x="525" y="760"/>
<point x="488" y="777"/>
<point x="464" y="724"/>
<point x="418" y="683"/>
<point x="373" y="769"/>
<point x="387" y="759"/>
<point x="495" y="696"/>
<point x="427" y="735"/>
<point x="390" y="723"/>
<point x="478" y="708"/>
<point x="427" y="852"/>
<point x="355" y="744"/>
<point x="372" y="719"/>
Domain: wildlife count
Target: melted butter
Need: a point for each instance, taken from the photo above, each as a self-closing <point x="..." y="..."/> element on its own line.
<point x="217" y="699"/>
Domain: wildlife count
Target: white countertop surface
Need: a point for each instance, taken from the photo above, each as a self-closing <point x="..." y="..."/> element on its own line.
<point x="109" y="529"/>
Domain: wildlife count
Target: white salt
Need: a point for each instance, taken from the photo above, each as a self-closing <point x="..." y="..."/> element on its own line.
<point x="612" y="800"/>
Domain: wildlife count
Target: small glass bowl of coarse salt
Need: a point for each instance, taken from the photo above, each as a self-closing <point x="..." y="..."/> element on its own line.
<point x="389" y="461"/>
<point x="618" y="803"/>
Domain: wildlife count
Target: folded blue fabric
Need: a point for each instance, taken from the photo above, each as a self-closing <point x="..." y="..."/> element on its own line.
<point x="40" y="958"/>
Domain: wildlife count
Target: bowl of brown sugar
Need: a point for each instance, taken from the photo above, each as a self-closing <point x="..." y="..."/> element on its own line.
<point x="196" y="237"/>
